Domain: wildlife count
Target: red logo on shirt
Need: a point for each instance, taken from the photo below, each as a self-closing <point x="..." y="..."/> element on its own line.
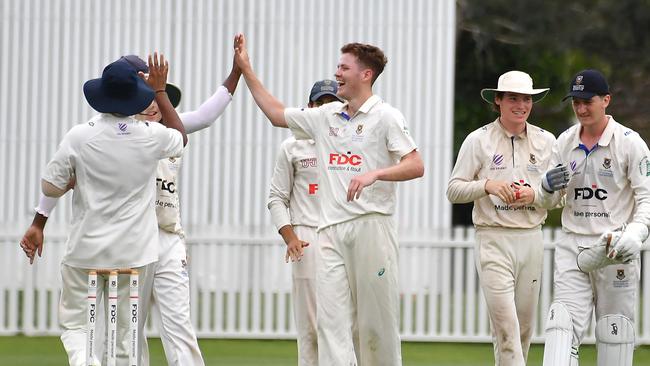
<point x="345" y="159"/>
<point x="313" y="187"/>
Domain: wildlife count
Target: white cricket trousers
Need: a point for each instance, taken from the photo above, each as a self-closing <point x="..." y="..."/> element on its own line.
<point x="304" y="297"/>
<point x="171" y="303"/>
<point x="73" y="310"/>
<point x="609" y="290"/>
<point x="357" y="280"/>
<point x="509" y="265"/>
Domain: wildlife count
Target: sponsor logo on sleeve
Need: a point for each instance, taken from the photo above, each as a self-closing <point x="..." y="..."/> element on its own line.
<point x="644" y="167"/>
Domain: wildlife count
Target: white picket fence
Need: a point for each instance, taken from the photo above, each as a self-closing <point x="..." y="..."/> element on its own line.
<point x="241" y="288"/>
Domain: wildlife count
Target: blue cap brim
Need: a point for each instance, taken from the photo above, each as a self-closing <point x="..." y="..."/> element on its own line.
<point x="315" y="97"/>
<point x="579" y="95"/>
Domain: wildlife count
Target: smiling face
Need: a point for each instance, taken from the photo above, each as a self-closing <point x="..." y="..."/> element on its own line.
<point x="351" y="75"/>
<point x="152" y="113"/>
<point x="591" y="112"/>
<point x="514" y="107"/>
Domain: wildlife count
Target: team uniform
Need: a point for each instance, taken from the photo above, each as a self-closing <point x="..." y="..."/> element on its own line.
<point x="171" y="287"/>
<point x="113" y="223"/>
<point x="358" y="249"/>
<point x="509" y="248"/>
<point x="609" y="187"/>
<point x="294" y="187"/>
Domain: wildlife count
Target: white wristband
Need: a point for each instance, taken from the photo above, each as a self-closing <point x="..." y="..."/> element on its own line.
<point x="46" y="205"/>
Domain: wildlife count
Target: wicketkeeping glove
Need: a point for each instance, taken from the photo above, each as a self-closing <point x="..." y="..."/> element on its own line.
<point x="556" y="179"/>
<point x="595" y="257"/>
<point x="628" y="246"/>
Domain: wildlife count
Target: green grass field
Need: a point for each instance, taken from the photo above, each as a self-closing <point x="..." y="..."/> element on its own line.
<point x="45" y="351"/>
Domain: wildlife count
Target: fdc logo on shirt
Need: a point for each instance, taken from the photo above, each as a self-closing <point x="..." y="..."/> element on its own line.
<point x="587" y="193"/>
<point x="345" y="159"/>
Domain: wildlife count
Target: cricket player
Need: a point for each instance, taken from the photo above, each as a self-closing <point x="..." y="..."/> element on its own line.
<point x="293" y="203"/>
<point x="602" y="167"/>
<point x="113" y="160"/>
<point x="171" y="282"/>
<point x="496" y="167"/>
<point x="364" y="147"/>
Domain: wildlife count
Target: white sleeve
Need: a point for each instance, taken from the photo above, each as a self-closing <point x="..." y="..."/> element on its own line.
<point x="543" y="198"/>
<point x="60" y="169"/>
<point x="638" y="172"/>
<point x="208" y="112"/>
<point x="46" y="205"/>
<point x="169" y="140"/>
<point x="464" y="185"/>
<point x="398" y="138"/>
<point x="301" y="122"/>
<point x="281" y="187"/>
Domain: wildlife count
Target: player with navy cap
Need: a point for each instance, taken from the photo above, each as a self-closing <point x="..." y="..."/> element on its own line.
<point x="601" y="168"/>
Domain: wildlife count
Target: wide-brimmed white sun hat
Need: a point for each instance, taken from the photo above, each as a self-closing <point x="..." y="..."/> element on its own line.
<point x="514" y="82"/>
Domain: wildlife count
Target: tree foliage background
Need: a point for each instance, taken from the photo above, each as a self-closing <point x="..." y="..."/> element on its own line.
<point x="551" y="40"/>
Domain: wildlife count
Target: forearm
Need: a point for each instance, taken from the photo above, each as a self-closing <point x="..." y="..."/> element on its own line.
<point x="208" y="112"/>
<point x="459" y="191"/>
<point x="169" y="116"/>
<point x="270" y="106"/>
<point x="288" y="234"/>
<point x="279" y="213"/>
<point x="410" y="167"/>
<point x="233" y="79"/>
<point x="46" y="205"/>
<point x="39" y="221"/>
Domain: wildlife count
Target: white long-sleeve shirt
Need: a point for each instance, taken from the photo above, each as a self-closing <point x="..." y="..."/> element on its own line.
<point x="609" y="184"/>
<point x="493" y="153"/>
<point x="293" y="196"/>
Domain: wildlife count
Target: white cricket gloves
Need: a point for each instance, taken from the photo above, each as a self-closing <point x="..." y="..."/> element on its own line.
<point x="628" y="246"/>
<point x="613" y="247"/>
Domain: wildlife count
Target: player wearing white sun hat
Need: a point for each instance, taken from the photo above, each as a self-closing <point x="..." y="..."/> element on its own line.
<point x="496" y="167"/>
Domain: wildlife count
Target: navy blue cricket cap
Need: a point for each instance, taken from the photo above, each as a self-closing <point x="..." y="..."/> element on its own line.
<point x="324" y="87"/>
<point x="586" y="84"/>
<point x="173" y="92"/>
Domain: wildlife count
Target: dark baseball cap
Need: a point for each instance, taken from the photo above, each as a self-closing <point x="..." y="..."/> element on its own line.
<point x="323" y="87"/>
<point x="586" y="84"/>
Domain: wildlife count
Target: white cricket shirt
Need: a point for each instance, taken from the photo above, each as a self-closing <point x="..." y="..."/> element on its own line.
<point x="294" y="185"/>
<point x="609" y="184"/>
<point x="376" y="137"/>
<point x="114" y="161"/>
<point x="493" y="153"/>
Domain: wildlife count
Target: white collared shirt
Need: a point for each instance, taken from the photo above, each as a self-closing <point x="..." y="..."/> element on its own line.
<point x="294" y="185"/>
<point x="114" y="163"/>
<point x="493" y="153"/>
<point x="376" y="137"/>
<point x="609" y="184"/>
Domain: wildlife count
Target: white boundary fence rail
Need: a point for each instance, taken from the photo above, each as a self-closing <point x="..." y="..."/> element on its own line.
<point x="241" y="288"/>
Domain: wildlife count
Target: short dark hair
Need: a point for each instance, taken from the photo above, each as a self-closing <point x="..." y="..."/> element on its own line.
<point x="370" y="56"/>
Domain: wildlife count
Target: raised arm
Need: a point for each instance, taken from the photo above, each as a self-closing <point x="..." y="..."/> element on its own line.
<point x="272" y="108"/>
<point x="158" y="69"/>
